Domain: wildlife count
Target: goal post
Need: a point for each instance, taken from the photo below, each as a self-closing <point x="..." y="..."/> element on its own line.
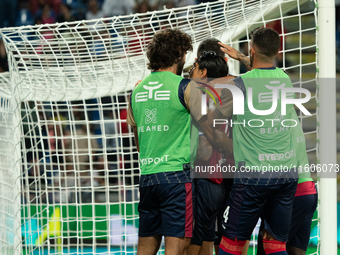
<point x="327" y="120"/>
<point x="10" y="161"/>
<point x="74" y="166"/>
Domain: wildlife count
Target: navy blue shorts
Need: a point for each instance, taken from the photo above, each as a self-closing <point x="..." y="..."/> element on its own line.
<point x="247" y="203"/>
<point x="303" y="210"/>
<point x="227" y="183"/>
<point x="302" y="215"/>
<point x="166" y="209"/>
<point x="208" y="204"/>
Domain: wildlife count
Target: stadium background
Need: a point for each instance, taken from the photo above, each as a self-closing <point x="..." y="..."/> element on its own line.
<point x="29" y="12"/>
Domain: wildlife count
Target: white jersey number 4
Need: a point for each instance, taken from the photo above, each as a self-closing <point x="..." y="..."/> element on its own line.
<point x="226" y="213"/>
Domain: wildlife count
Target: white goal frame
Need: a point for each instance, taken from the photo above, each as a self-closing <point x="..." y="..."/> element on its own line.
<point x="327" y="130"/>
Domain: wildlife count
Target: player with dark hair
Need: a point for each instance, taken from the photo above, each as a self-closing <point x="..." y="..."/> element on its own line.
<point x="159" y="115"/>
<point x="209" y="193"/>
<point x="211" y="63"/>
<point x="211" y="190"/>
<point x="253" y="194"/>
<point x="305" y="200"/>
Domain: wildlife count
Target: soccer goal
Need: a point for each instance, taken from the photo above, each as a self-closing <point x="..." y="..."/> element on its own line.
<point x="69" y="168"/>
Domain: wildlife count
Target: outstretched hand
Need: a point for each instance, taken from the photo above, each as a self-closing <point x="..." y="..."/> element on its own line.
<point x="235" y="54"/>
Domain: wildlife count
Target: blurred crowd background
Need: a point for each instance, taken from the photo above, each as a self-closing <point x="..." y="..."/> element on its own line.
<point x="29" y="12"/>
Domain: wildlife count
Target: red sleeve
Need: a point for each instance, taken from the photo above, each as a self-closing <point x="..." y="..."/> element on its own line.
<point x="123" y="125"/>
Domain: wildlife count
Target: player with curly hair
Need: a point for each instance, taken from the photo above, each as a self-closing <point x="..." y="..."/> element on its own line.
<point x="160" y="117"/>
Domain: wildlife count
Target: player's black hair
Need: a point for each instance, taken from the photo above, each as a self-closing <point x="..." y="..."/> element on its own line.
<point x="266" y="40"/>
<point x="210" y="44"/>
<point x="167" y="48"/>
<point x="216" y="65"/>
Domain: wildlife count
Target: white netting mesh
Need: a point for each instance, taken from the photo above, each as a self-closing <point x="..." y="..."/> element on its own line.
<point x="70" y="83"/>
<point x="86" y="59"/>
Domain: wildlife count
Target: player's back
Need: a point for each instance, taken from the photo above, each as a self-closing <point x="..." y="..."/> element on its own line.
<point x="163" y="124"/>
<point x="266" y="141"/>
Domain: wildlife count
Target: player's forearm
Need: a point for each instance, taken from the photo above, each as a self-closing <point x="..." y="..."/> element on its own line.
<point x="204" y="150"/>
<point x="221" y="139"/>
<point x="217" y="138"/>
<point x="244" y="59"/>
<point x="223" y="143"/>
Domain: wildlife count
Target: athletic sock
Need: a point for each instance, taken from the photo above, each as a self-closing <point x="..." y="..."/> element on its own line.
<point x="231" y="247"/>
<point x="274" y="247"/>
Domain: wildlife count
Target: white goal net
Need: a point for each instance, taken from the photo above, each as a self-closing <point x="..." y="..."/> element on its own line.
<point x="69" y="168"/>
